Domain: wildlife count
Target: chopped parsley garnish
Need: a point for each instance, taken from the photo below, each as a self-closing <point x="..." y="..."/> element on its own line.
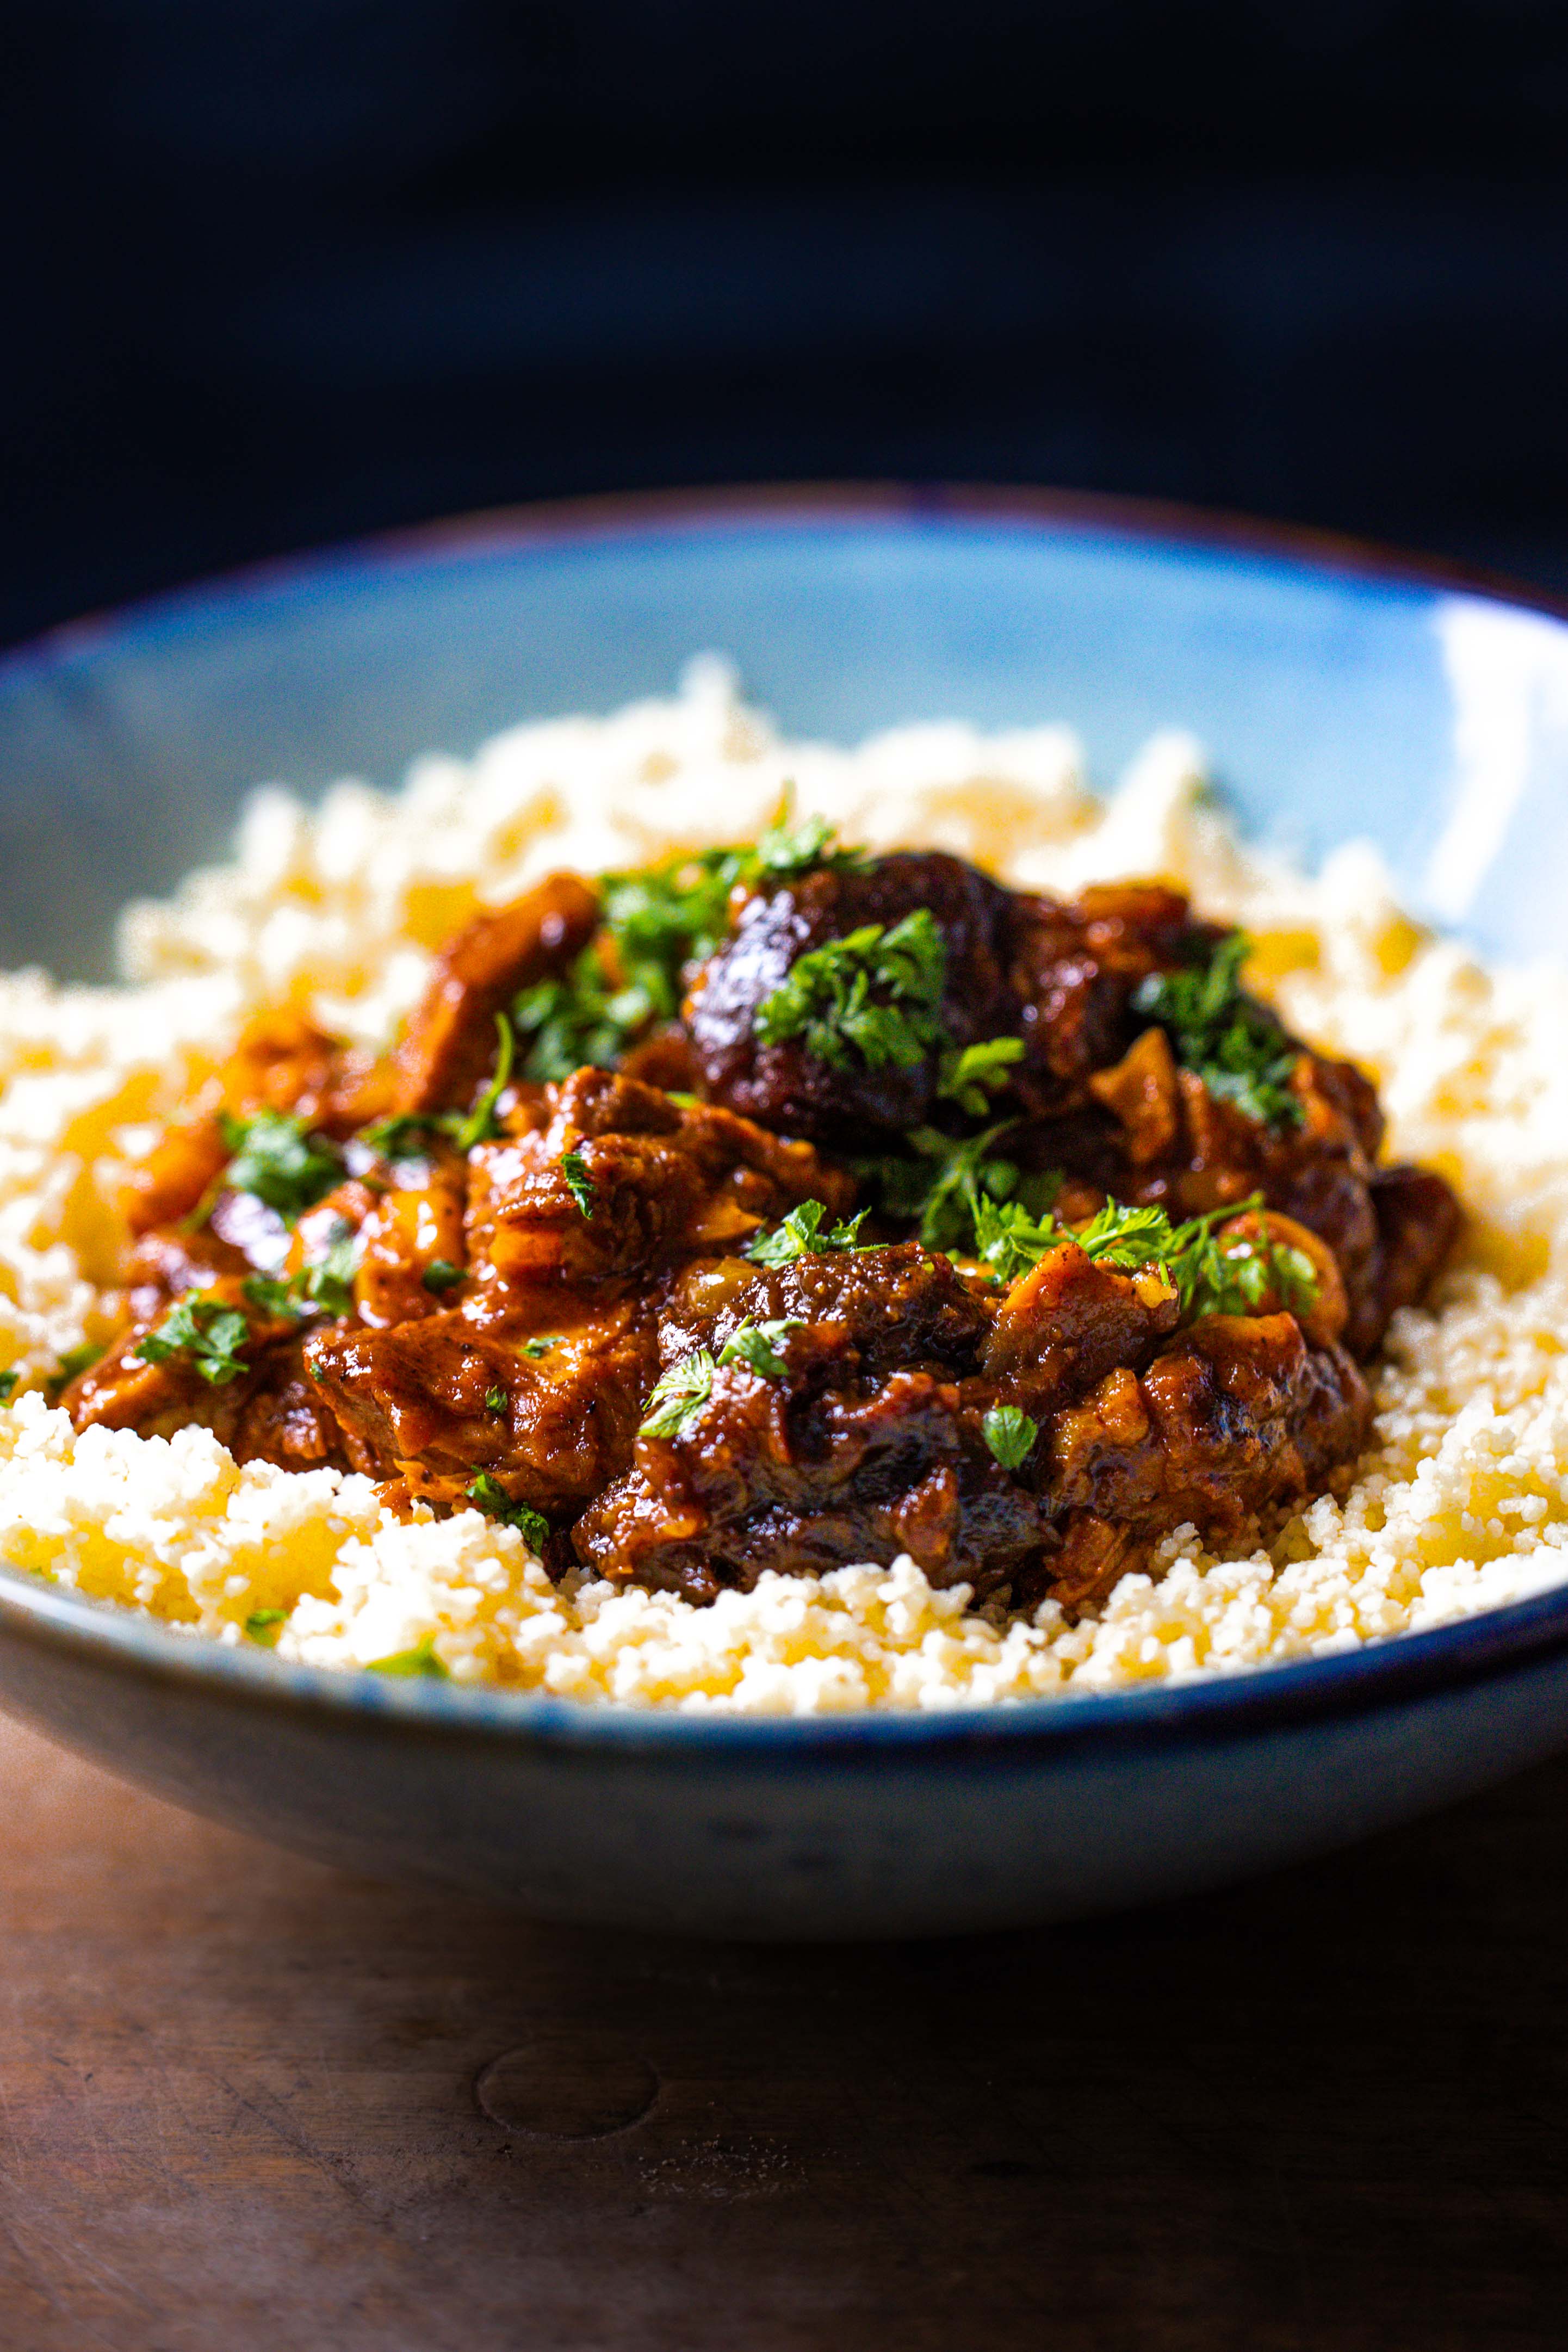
<point x="277" y="1300"/>
<point x="970" y="1078"/>
<point x="205" y="1330"/>
<point x="324" y="1289"/>
<point x="405" y="1138"/>
<point x="786" y="851"/>
<point x="496" y="1400"/>
<point x="579" y="1182"/>
<point x="542" y="1346"/>
<point x="801" y="1235"/>
<point x="655" y="921"/>
<point x="496" y="1504"/>
<point x="875" y="991"/>
<point x="679" y="1395"/>
<point x="8" y="1385"/>
<point x="1233" y="1044"/>
<point x="1212" y="1274"/>
<point x="275" y="1157"/>
<point x="757" y="1344"/>
<point x="1010" y="1435"/>
<point x="264" y="1625"/>
<point x="421" y="1660"/>
<point x="948" y="1177"/>
<point x="74" y="1360"/>
<point x="329" y="1283"/>
<point x="480" y="1125"/>
<point x="441" y="1274"/>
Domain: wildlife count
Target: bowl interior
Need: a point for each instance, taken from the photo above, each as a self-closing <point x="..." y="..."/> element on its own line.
<point x="1332" y="703"/>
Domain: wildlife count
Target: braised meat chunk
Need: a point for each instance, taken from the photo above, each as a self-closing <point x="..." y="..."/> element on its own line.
<point x="780" y="1208"/>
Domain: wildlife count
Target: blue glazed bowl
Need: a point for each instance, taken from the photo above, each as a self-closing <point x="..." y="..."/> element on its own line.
<point x="1339" y="694"/>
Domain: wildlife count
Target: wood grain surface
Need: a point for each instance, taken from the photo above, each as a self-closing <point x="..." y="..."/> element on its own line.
<point x="252" y="2104"/>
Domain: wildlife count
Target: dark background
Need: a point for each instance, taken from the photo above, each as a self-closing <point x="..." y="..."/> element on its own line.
<point x="280" y="270"/>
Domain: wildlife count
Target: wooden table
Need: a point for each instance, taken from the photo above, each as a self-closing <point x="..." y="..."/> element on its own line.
<point x="253" y="2106"/>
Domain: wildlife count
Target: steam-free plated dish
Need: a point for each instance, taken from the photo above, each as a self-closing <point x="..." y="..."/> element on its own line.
<point x="670" y="1215"/>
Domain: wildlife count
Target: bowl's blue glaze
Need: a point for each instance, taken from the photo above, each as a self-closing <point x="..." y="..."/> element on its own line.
<point x="1337" y="696"/>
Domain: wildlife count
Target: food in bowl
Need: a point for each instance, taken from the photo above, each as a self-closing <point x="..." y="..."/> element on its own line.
<point x="904" y="1254"/>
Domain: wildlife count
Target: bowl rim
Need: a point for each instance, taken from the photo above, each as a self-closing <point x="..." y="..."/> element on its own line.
<point x="1228" y="1704"/>
<point x="1301" y="548"/>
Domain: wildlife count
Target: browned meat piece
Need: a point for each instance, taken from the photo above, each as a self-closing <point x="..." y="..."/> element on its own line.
<point x="866" y="1451"/>
<point x="1073" y="968"/>
<point x="1236" y="1420"/>
<point x="667" y="1181"/>
<point x="863" y="1450"/>
<point x="437" y="1401"/>
<point x="123" y="1392"/>
<point x="450" y="1045"/>
<point x="1418" y="1222"/>
<point x="1389" y="1229"/>
<point x="782" y="1083"/>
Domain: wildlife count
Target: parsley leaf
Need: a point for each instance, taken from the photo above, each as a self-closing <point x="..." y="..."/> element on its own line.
<point x="276" y="1301"/>
<point x="496" y="1400"/>
<point x="496" y="1504"/>
<point x="329" y="1283"/>
<point x="828" y="1001"/>
<point x="679" y="1395"/>
<point x="948" y="1177"/>
<point x="970" y="1078"/>
<point x="579" y="1182"/>
<point x="204" y="1328"/>
<point x="480" y="1125"/>
<point x="1224" y="1036"/>
<point x="757" y="1344"/>
<point x="801" y="1235"/>
<point x="655" y="921"/>
<point x="784" y="854"/>
<point x="74" y="1360"/>
<point x="273" y="1157"/>
<point x="1211" y="1274"/>
<point x="401" y="1139"/>
<point x="264" y="1625"/>
<point x="535" y="1348"/>
<point x="8" y="1385"/>
<point x="1010" y="1435"/>
<point x="421" y="1660"/>
<point x="441" y="1276"/>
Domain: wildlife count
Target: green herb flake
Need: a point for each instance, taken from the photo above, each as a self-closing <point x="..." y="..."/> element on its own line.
<point x="875" y="991"/>
<point x="579" y="1182"/>
<point x="496" y="1504"/>
<point x="8" y="1385"/>
<point x="276" y="1301"/>
<point x="74" y="1362"/>
<point x="412" y="1663"/>
<point x="785" y="853"/>
<point x="480" y="1125"/>
<point x="441" y="1276"/>
<point x="496" y="1400"/>
<point x="801" y="1234"/>
<point x="942" y="1180"/>
<point x="679" y="1395"/>
<point x="1224" y="1036"/>
<point x="757" y="1344"/>
<point x="205" y="1330"/>
<point x="276" y="1158"/>
<point x="264" y="1625"/>
<point x="970" y="1078"/>
<point x="1010" y="1435"/>
<point x="400" y="1140"/>
<point x="328" y="1285"/>
<point x="542" y="1346"/>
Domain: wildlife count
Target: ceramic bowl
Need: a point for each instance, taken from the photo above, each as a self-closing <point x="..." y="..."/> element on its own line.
<point x="1338" y="693"/>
